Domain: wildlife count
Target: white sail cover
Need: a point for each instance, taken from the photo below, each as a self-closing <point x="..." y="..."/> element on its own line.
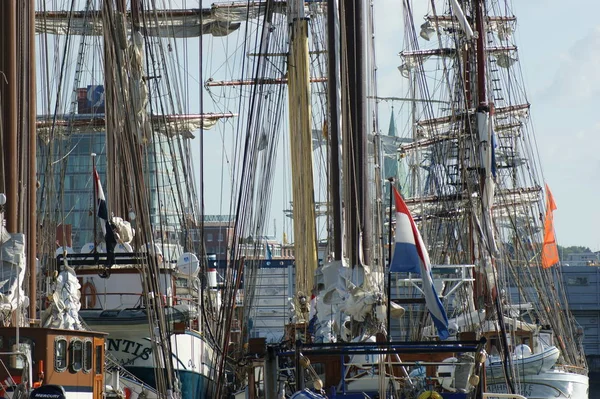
<point x="346" y="294"/>
<point x="170" y="125"/>
<point x="123" y="230"/>
<point x="217" y="21"/>
<point x="12" y="274"/>
<point x="65" y="304"/>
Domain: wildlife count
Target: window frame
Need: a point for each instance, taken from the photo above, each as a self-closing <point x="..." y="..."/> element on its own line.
<point x="72" y="354"/>
<point x="65" y="354"/>
<point x="88" y="351"/>
<point x="98" y="361"/>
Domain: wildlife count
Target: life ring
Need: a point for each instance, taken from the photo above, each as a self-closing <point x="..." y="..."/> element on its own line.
<point x="88" y="296"/>
<point x="430" y="395"/>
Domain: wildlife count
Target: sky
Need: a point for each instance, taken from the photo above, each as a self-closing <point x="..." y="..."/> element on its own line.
<point x="559" y="48"/>
<point x="559" y="52"/>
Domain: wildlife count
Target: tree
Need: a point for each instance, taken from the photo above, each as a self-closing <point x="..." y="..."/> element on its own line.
<point x="565" y="251"/>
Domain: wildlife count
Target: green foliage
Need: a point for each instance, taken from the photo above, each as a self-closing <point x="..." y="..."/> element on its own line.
<point x="564" y="251"/>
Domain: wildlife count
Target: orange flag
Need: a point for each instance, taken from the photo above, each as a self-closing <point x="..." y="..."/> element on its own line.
<point x="549" y="248"/>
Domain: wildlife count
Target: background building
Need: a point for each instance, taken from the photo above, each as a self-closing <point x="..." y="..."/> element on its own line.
<point x="66" y="194"/>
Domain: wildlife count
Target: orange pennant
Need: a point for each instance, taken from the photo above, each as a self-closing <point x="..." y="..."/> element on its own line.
<point x="549" y="248"/>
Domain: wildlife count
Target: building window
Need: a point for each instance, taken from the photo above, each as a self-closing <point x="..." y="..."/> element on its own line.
<point x="577" y="281"/>
<point x="60" y="354"/>
<point x="87" y="356"/>
<point x="209" y="237"/>
<point x="76" y="353"/>
<point x="220" y="236"/>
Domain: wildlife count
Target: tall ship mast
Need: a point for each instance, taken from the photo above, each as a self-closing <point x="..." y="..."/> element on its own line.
<point x="473" y="182"/>
<point x="462" y="303"/>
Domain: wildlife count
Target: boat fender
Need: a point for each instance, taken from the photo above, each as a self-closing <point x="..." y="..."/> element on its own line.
<point x="127" y="392"/>
<point x="430" y="395"/>
<point x="88" y="296"/>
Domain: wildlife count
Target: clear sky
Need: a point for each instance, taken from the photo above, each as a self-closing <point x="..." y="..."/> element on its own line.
<point x="560" y="48"/>
<point x="559" y="51"/>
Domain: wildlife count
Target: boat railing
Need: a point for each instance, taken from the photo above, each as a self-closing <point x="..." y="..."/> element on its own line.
<point x="113" y="366"/>
<point x="455" y="274"/>
<point x="356" y="371"/>
<point x="573" y="369"/>
<point x="368" y="359"/>
<point x="362" y="365"/>
<point x="167" y="300"/>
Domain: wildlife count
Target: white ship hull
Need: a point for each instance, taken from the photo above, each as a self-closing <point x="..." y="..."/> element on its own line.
<point x="549" y="385"/>
<point x="129" y="343"/>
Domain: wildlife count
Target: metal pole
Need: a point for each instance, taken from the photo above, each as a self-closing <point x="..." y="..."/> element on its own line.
<point x="299" y="369"/>
<point x="32" y="178"/>
<point x="350" y="129"/>
<point x="481" y="58"/>
<point x="333" y="125"/>
<point x="362" y="128"/>
<point x="270" y="367"/>
<point x="358" y="205"/>
<point x="389" y="274"/>
<point x="95" y="211"/>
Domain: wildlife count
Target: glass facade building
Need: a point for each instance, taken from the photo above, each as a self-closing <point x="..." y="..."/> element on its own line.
<point x="66" y="194"/>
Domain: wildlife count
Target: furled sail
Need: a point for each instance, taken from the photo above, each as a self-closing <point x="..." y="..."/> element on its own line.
<point x="218" y="20"/>
<point x="12" y="274"/>
<point x="170" y="125"/>
<point x="63" y="312"/>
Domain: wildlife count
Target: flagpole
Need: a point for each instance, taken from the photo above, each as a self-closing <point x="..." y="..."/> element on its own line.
<point x="389" y="274"/>
<point x="95" y="206"/>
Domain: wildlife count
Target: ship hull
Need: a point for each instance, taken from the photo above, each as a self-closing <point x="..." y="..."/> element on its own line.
<point x="191" y="359"/>
<point x="129" y="343"/>
<point x="552" y="384"/>
<point x="529" y="365"/>
<point x="193" y="385"/>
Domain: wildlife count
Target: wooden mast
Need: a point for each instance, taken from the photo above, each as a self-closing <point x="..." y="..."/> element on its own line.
<point x="483" y="110"/>
<point x="8" y="110"/>
<point x="32" y="169"/>
<point x="17" y="64"/>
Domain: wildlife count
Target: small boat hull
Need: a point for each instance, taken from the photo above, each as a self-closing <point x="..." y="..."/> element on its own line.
<point x="529" y="365"/>
<point x="550" y="385"/>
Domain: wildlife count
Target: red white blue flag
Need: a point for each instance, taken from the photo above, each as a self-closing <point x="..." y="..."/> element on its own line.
<point x="410" y="255"/>
<point x="102" y="209"/>
<point x="102" y="212"/>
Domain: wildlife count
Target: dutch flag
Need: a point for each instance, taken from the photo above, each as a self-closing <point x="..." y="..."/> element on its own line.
<point x="102" y="212"/>
<point x="410" y="255"/>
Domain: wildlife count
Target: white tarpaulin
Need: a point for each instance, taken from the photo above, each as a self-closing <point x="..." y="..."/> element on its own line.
<point x="12" y="274"/>
<point x="63" y="311"/>
<point x="218" y="20"/>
